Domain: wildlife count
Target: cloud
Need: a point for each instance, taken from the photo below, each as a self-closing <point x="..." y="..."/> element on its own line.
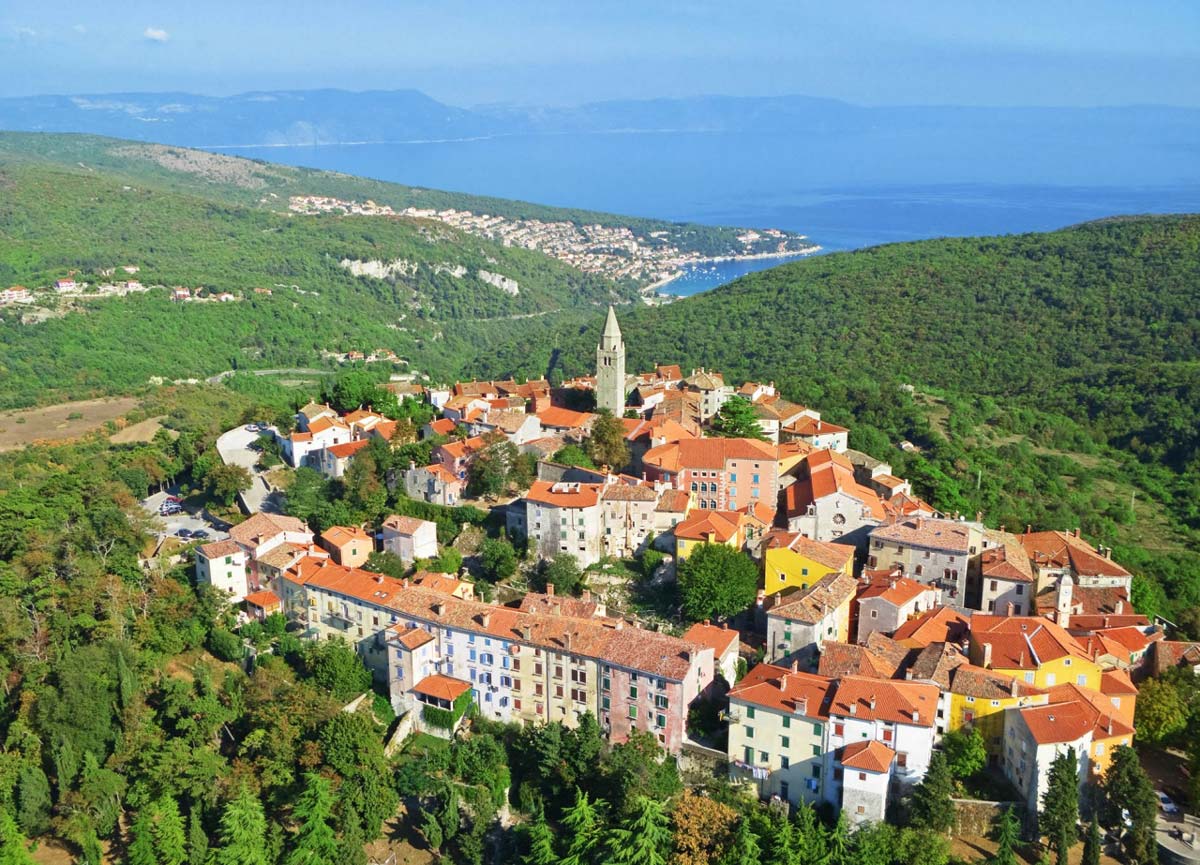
<point x="156" y="34"/>
<point x="25" y="33"/>
<point x="79" y="28"/>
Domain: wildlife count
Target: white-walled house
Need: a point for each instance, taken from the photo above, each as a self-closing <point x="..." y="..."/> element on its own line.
<point x="223" y="566"/>
<point x="410" y="538"/>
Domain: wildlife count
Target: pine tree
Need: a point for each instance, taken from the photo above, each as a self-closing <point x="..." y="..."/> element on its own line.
<point x="736" y="418"/>
<point x="1091" y="845"/>
<point x="315" y="842"/>
<point x="583" y="822"/>
<point x="1008" y="833"/>
<point x="839" y="841"/>
<point x="197" y="838"/>
<point x="745" y="849"/>
<point x="431" y="829"/>
<point x="170" y="841"/>
<point x="930" y="807"/>
<point x="14" y="849"/>
<point x="643" y="839"/>
<point x="141" y="841"/>
<point x="1060" y="805"/>
<point x="243" y="832"/>
<point x="1127" y="787"/>
<point x="540" y="842"/>
<point x="784" y="847"/>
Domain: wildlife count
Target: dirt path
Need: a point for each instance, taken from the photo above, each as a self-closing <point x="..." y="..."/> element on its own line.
<point x="67" y="420"/>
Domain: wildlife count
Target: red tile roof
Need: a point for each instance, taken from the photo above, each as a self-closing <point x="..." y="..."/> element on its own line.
<point x="827" y="472"/>
<point x="813" y="604"/>
<point x="411" y="638"/>
<point x="711" y="526"/>
<point x="871" y="756"/>
<point x="808" y="426"/>
<point x="442" y="687"/>
<point x="261" y="527"/>
<point x="708" y="453"/>
<point x="404" y="525"/>
<point x="348" y="449"/>
<point x="442" y="426"/>
<point x="896" y="591"/>
<point x="972" y="681"/>
<point x="265" y="599"/>
<point x="913" y="703"/>
<point x="785" y="690"/>
<point x="938" y="534"/>
<point x="562" y="494"/>
<point x="1023" y="642"/>
<point x="339" y="536"/>
<point x="565" y="418"/>
<point x="847" y="659"/>
<point x="939" y="625"/>
<point x="832" y="555"/>
<point x="1064" y="549"/>
<point x="719" y="639"/>
<point x="219" y="549"/>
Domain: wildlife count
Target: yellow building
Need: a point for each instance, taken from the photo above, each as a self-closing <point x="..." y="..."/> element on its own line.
<point x="794" y="561"/>
<point x="978" y="698"/>
<point x="709" y="527"/>
<point x="1032" y="649"/>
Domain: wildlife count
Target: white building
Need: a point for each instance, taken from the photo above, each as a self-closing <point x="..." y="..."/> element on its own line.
<point x="223" y="566"/>
<point x="410" y="538"/>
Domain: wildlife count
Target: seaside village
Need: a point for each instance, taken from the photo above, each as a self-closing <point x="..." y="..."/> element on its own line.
<point x="880" y="624"/>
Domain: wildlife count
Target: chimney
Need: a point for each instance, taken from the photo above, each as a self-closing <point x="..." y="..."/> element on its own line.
<point x="987" y="654"/>
<point x="795" y="666"/>
<point x="1076" y="532"/>
<point x="802" y="706"/>
<point x="550" y="589"/>
<point x="872" y="702"/>
<point x="587" y="594"/>
<point x="854" y="708"/>
<point x="406" y="582"/>
<point x="1002" y="527"/>
<point x="916" y="717"/>
<point x="379" y="580"/>
<point x="1012" y="687"/>
<point x="567" y="641"/>
<point x="1028" y="528"/>
<point x="485" y="618"/>
<point x="1108" y="552"/>
<point x="439" y="608"/>
<point x="1119" y="608"/>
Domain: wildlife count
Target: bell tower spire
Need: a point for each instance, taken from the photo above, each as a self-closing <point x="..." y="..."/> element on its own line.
<point x="610" y="367"/>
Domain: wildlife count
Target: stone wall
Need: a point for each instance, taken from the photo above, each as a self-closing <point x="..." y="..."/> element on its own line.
<point x="978" y="816"/>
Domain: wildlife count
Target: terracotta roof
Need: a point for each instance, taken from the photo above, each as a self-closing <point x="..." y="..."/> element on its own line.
<point x="826" y="472"/>
<point x="913" y="703"/>
<point x="629" y="493"/>
<point x="1023" y="642"/>
<point x="219" y="549"/>
<point x="1105" y="723"/>
<point x="411" y="638"/>
<point x="847" y="659"/>
<point x="1059" y="722"/>
<point x="808" y="426"/>
<point x="261" y="527"/>
<point x="348" y="449"/>
<point x="896" y="591"/>
<point x="442" y="687"/>
<point x="870" y="756"/>
<point x="547" y="604"/>
<point x="719" y="639"/>
<point x="674" y="501"/>
<point x="1116" y="683"/>
<point x="565" y="418"/>
<point x="785" y="690"/>
<point x="937" y="534"/>
<point x="669" y="371"/>
<point x="301" y="437"/>
<point x="339" y="536"/>
<point x="446" y="584"/>
<point x="939" y="625"/>
<point x="1064" y="550"/>
<point x="323" y="423"/>
<point x="443" y="474"/>
<point x="266" y="599"/>
<point x="972" y="681"/>
<point x="1168" y="654"/>
<point x="937" y="663"/>
<point x="708" y="453"/>
<point x="705" y="380"/>
<point x="1132" y="639"/>
<point x="1088" y="601"/>
<point x="1005" y="559"/>
<point x="813" y="604"/>
<point x="442" y="426"/>
<point x="460" y="449"/>
<point x="831" y="555"/>
<point x="561" y="494"/>
<point x="405" y="525"/>
<point x="711" y="526"/>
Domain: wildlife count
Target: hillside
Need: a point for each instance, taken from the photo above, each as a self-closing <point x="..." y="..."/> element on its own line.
<point x="433" y="308"/>
<point x="1056" y="375"/>
<point x="268" y="186"/>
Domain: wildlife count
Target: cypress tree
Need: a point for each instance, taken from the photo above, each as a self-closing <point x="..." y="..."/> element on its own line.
<point x="1060" y="805"/>
<point x="1008" y="833"/>
<point x="930" y="807"/>
<point x="243" y="832"/>
<point x="1091" y="845"/>
<point x="583" y="822"/>
<point x="141" y="841"/>
<point x="197" y="838"/>
<point x="315" y="842"/>
<point x="540" y="842"/>
<point x="644" y="838"/>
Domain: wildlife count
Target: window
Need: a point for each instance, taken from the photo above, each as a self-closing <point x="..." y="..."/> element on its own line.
<point x="605" y="703"/>
<point x="558" y="671"/>
<point x="749" y="711"/>
<point x="660" y="720"/>
<point x="994" y="586"/>
<point x="749" y="732"/>
<point x="1020" y="590"/>
<point x="754" y="479"/>
<point x="861" y="809"/>
<point x="816" y="751"/>
<point x="862" y="776"/>
<point x="784" y="763"/>
<point x="606" y="683"/>
<point x="785" y="741"/>
<point x="901" y="759"/>
<point x="816" y="771"/>
<point x="633" y="712"/>
<point x="660" y="702"/>
<point x="1081" y="679"/>
<point x="748" y="754"/>
<point x="816" y="729"/>
<point x="633" y="692"/>
<point x="787" y="722"/>
<point x="839" y="729"/>
<point x="763" y="756"/>
<point x="471" y="655"/>
<point x="874" y="614"/>
<point x="537" y="669"/>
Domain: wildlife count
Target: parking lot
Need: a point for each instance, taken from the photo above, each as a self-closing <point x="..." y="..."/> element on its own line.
<point x="191" y="522"/>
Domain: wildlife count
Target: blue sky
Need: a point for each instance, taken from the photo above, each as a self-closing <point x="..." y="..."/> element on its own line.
<point x="1016" y="52"/>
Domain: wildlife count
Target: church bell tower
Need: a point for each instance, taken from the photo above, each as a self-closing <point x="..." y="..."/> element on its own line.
<point x="610" y="367"/>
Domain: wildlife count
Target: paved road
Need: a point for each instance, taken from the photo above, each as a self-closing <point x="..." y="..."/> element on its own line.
<point x="221" y="376"/>
<point x="235" y="448"/>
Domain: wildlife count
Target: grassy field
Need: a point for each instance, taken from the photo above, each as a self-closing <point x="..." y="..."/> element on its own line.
<point x="60" y="422"/>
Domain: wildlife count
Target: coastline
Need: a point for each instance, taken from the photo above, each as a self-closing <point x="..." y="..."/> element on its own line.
<point x="652" y="290"/>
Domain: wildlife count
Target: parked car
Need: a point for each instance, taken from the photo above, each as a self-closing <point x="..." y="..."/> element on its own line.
<point x="200" y="533"/>
<point x="1165" y="802"/>
<point x="183" y="533"/>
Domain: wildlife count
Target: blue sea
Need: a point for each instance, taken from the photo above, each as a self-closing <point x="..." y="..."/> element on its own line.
<point x="843" y="192"/>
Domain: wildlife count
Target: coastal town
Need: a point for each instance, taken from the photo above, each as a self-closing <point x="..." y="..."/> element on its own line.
<point x="613" y="251"/>
<point x="876" y="628"/>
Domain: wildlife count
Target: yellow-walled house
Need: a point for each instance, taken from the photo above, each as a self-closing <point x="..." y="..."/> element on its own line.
<point x="800" y="620"/>
<point x="1032" y="649"/>
<point x="709" y="527"/>
<point x="792" y="561"/>
<point x="979" y="697"/>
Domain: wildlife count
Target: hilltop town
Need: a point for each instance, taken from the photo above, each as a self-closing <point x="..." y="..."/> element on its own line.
<point x="831" y="632"/>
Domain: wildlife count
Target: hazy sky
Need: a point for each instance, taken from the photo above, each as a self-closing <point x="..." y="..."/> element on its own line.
<point x="1015" y="52"/>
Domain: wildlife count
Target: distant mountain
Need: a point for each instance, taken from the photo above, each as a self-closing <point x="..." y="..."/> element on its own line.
<point x="306" y="117"/>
